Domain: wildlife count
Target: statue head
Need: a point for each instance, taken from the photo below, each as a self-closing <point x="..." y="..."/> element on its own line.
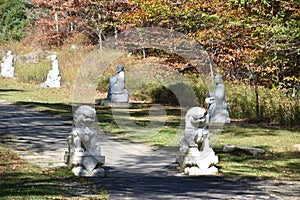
<point x="9" y="53"/>
<point x="84" y="116"/>
<point x="218" y="78"/>
<point x="53" y="57"/>
<point x="195" y="117"/>
<point x="120" y="68"/>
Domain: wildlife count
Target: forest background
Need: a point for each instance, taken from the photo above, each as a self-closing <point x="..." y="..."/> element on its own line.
<point x="254" y="43"/>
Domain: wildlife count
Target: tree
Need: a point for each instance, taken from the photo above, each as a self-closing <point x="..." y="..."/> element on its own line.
<point x="263" y="34"/>
<point x="60" y="19"/>
<point x="15" y="16"/>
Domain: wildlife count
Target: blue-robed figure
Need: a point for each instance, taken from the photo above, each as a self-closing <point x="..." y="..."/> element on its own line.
<point x="117" y="91"/>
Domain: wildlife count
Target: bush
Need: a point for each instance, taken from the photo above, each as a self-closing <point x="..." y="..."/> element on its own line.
<point x="33" y="72"/>
<point x="177" y="93"/>
<point x="274" y="106"/>
<point x="15" y="16"/>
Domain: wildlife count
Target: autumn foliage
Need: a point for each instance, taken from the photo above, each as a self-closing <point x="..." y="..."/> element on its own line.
<point x="254" y="39"/>
<point x="59" y="19"/>
<point x="250" y="41"/>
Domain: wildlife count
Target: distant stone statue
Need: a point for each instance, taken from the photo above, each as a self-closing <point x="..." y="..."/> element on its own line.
<point x="196" y="157"/>
<point x="217" y="106"/>
<point x="84" y="153"/>
<point x="53" y="76"/>
<point x="7" y="67"/>
<point x="117" y="91"/>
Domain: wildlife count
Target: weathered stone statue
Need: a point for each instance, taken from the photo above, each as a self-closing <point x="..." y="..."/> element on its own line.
<point x="7" y="67"/>
<point x="84" y="153"/>
<point x="217" y="107"/>
<point x="116" y="91"/>
<point x="53" y="76"/>
<point x="196" y="157"/>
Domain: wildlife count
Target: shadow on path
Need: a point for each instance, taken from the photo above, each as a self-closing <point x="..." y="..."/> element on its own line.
<point x="134" y="171"/>
<point x="171" y="185"/>
<point x="37" y="136"/>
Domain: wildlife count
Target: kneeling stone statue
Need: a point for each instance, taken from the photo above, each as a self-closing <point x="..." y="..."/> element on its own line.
<point x="196" y="157"/>
<point x="117" y="92"/>
<point x="53" y="76"/>
<point x="218" y="111"/>
<point x="7" y="67"/>
<point x="84" y="153"/>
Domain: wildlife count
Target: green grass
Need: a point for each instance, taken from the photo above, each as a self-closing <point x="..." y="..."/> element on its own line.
<point x="13" y="90"/>
<point x="22" y="180"/>
<point x="280" y="160"/>
<point x="44" y="99"/>
<point x="135" y="124"/>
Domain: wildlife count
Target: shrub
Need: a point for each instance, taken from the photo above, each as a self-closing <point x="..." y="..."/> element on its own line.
<point x="274" y="106"/>
<point x="33" y="72"/>
<point x="15" y="16"/>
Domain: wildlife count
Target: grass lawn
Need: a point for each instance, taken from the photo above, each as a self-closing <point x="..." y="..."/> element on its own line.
<point x="22" y="180"/>
<point x="280" y="160"/>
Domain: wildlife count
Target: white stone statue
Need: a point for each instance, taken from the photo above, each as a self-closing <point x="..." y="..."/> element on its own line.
<point x="196" y="157"/>
<point x="7" y="67"/>
<point x="217" y="106"/>
<point x="84" y="153"/>
<point x="53" y="76"/>
<point x="117" y="91"/>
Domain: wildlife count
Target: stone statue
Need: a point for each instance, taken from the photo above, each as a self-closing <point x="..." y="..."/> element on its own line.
<point x="116" y="91"/>
<point x="217" y="107"/>
<point x="53" y="76"/>
<point x="7" y="67"/>
<point x="196" y="157"/>
<point x="84" y="152"/>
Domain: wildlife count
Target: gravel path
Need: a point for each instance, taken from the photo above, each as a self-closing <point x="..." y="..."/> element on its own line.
<point x="134" y="171"/>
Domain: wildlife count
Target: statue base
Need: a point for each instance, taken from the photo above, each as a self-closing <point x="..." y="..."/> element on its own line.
<point x="111" y="103"/>
<point x="197" y="163"/>
<point x="82" y="172"/>
<point x="85" y="163"/>
<point x="45" y="85"/>
<point x="7" y="75"/>
<point x="119" y="97"/>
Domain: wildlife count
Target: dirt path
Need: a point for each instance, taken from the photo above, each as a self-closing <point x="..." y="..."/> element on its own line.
<point x="134" y="171"/>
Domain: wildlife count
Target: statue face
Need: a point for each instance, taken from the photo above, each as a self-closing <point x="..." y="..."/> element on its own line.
<point x="120" y="68"/>
<point x="88" y="119"/>
<point x="197" y="116"/>
<point x="198" y="122"/>
<point x="53" y="57"/>
<point x="218" y="79"/>
<point x="85" y="116"/>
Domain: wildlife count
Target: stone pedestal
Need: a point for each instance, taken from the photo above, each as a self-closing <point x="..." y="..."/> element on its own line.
<point x="85" y="164"/>
<point x="195" y="163"/>
<point x="120" y="97"/>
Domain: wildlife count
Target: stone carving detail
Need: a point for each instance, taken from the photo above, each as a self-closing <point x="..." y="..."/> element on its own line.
<point x="7" y="67"/>
<point x="53" y="76"/>
<point x="84" y="153"/>
<point x="196" y="157"/>
<point x="116" y="91"/>
<point x="217" y="107"/>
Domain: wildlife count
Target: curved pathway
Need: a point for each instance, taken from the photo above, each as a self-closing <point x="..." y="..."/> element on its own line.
<point x="134" y="171"/>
